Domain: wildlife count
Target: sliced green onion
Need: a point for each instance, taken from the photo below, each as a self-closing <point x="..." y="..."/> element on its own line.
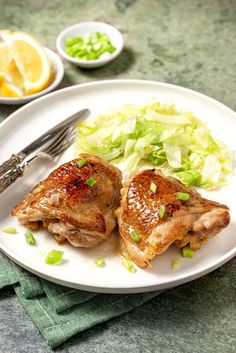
<point x="161" y="211"/>
<point x="187" y="252"/>
<point x="29" y="237"/>
<point x="91" y="181"/>
<point x="134" y="234"/>
<point x="81" y="162"/>
<point x="182" y="196"/>
<point x="38" y="189"/>
<point x="54" y="257"/>
<point x="129" y="266"/>
<point x="124" y="254"/>
<point x="90" y="47"/>
<point x="153" y="188"/>
<point x="71" y="41"/>
<point x="175" y="265"/>
<point x="100" y="262"/>
<point x="190" y="177"/>
<point x="10" y="230"/>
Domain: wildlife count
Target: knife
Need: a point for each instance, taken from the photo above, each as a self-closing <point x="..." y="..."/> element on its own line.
<point x="54" y="148"/>
<point x="41" y="141"/>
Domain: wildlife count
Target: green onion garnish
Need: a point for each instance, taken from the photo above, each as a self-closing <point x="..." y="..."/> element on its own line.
<point x="182" y="196"/>
<point x="91" y="181"/>
<point x="175" y="265"/>
<point x="124" y="254"/>
<point x="161" y="211"/>
<point x="54" y="257"/>
<point x="100" y="262"/>
<point x="190" y="177"/>
<point x="153" y="188"/>
<point x="29" y="237"/>
<point x="38" y="189"/>
<point x="187" y="252"/>
<point x="10" y="230"/>
<point x="129" y="266"/>
<point x="135" y="235"/>
<point x="90" y="47"/>
<point x="81" y="162"/>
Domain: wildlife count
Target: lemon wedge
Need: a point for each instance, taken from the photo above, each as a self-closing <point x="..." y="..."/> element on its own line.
<point x="14" y="76"/>
<point x="1" y="78"/>
<point x="10" y="90"/>
<point x="5" y="34"/>
<point x="5" y="56"/>
<point x="24" y="65"/>
<point x="31" y="60"/>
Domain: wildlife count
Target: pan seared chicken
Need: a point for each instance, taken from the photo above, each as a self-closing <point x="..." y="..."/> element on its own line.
<point x="76" y="202"/>
<point x="157" y="211"/>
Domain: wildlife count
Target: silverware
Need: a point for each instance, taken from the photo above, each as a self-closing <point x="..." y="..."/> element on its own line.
<point x="53" y="150"/>
<point x="41" y="141"/>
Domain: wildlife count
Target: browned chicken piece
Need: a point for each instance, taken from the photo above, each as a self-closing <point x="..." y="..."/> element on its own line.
<point x="71" y="209"/>
<point x="149" y="222"/>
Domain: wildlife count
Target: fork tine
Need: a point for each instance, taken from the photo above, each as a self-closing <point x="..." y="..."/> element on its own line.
<point x="59" y="145"/>
<point x="60" y="138"/>
<point x="59" y="148"/>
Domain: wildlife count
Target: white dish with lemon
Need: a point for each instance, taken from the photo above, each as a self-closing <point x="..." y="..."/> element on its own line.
<point x="27" y="69"/>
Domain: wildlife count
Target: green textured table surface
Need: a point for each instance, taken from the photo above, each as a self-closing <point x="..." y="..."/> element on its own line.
<point x="185" y="42"/>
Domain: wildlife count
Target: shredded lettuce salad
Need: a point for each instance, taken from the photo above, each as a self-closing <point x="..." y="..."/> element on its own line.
<point x="170" y="139"/>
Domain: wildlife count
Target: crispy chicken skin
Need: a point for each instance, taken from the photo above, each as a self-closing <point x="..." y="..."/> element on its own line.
<point x="183" y="222"/>
<point x="69" y="208"/>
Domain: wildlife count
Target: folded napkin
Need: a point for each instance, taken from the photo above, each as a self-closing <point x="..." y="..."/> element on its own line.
<point x="60" y="312"/>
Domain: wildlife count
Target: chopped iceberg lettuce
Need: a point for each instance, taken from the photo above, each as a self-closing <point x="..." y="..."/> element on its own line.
<point x="173" y="140"/>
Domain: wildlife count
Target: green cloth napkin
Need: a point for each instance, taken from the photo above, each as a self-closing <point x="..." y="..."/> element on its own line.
<point x="60" y="312"/>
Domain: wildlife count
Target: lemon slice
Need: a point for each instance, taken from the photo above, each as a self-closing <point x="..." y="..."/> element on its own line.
<point x="5" y="34"/>
<point x="5" y="56"/>
<point x="9" y="90"/>
<point x="1" y="78"/>
<point x="14" y="76"/>
<point x="31" y="60"/>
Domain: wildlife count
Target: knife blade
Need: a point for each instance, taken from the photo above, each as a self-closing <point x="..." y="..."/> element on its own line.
<point x="41" y="141"/>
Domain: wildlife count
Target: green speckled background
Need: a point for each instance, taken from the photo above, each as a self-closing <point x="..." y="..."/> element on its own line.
<point x="186" y="42"/>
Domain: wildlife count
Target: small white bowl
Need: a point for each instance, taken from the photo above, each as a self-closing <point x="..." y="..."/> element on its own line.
<point x="80" y="30"/>
<point x="58" y="73"/>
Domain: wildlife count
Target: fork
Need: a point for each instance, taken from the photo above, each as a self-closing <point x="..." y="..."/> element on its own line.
<point x="54" y="149"/>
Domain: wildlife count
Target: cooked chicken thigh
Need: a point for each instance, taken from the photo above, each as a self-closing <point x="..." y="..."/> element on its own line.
<point x="151" y="220"/>
<point x="75" y="202"/>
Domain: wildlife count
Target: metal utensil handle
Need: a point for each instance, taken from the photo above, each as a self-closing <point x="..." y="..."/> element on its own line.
<point x="10" y="177"/>
<point x="10" y="163"/>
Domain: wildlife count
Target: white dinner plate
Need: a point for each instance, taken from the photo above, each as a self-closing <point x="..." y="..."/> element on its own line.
<point x="78" y="269"/>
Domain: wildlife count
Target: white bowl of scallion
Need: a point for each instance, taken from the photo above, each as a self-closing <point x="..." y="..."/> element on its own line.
<point x="90" y="44"/>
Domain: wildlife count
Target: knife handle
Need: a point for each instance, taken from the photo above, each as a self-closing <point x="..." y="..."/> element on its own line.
<point x="10" y="163"/>
<point x="10" y="177"/>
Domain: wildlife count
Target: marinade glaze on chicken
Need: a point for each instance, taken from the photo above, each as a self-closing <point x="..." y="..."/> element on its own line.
<point x="69" y="208"/>
<point x="180" y="222"/>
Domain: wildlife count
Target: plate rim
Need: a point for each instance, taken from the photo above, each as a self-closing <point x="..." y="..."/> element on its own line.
<point x="181" y="279"/>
